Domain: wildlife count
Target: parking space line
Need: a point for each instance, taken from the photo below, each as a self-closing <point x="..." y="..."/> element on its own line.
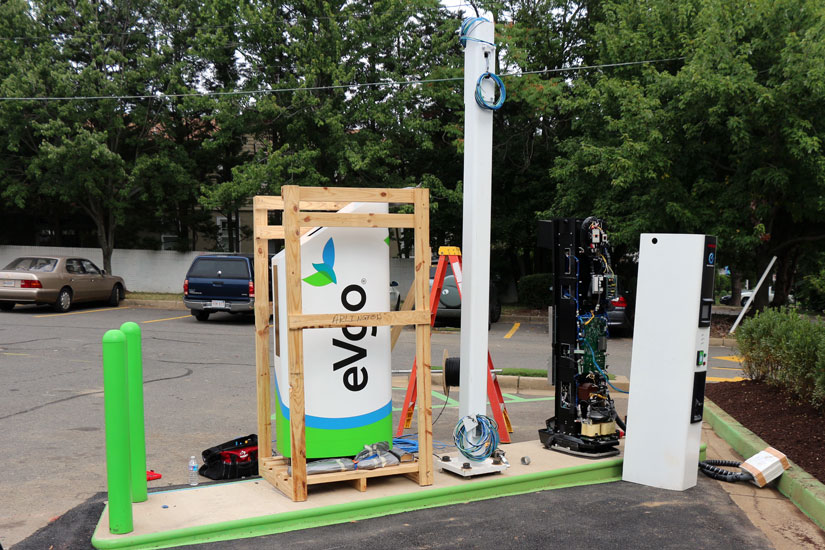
<point x="443" y="397"/>
<point x="166" y="319"/>
<point x="727" y="368"/>
<point x="82" y="312"/>
<point x="512" y="398"/>
<point x="20" y="354"/>
<point x="512" y="330"/>
<point x="719" y="379"/>
<point x="733" y="358"/>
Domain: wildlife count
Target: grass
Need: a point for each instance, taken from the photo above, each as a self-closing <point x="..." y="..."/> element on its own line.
<point x="153" y="296"/>
<point x="530" y="373"/>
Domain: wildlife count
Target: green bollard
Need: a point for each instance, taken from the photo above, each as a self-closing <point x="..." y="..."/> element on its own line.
<point x="137" y="432"/>
<point x="116" y="410"/>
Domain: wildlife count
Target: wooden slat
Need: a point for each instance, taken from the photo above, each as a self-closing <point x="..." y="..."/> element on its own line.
<point x="269" y="231"/>
<point x="409" y="301"/>
<point x="262" y="312"/>
<point x="356" y="474"/>
<point x="360" y="319"/>
<point x="336" y="219"/>
<point x="276" y="231"/>
<point x="278" y="480"/>
<point x="275" y="202"/>
<point x="294" y="305"/>
<point x="274" y="462"/>
<point x="422" y="337"/>
<point x="356" y="194"/>
<point x="267" y="202"/>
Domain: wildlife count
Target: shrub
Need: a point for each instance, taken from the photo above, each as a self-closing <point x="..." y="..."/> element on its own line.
<point x="785" y="349"/>
<point x="535" y="290"/>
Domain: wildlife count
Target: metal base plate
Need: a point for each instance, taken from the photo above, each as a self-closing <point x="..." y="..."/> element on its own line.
<point x="464" y="467"/>
<point x="565" y="450"/>
<point x="576" y="446"/>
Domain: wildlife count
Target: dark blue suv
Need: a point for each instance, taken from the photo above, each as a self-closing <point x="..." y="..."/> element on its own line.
<point x="220" y="282"/>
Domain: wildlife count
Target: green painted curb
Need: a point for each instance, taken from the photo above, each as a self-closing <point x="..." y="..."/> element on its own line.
<point x="801" y="488"/>
<point x="586" y="474"/>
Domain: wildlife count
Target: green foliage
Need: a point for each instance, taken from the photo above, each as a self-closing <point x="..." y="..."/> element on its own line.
<point x="811" y="293"/>
<point x="535" y="290"/>
<point x="785" y="349"/>
<point x="722" y="284"/>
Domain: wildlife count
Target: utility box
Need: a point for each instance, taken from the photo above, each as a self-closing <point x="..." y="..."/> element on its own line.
<point x="669" y="361"/>
<point x="347" y="374"/>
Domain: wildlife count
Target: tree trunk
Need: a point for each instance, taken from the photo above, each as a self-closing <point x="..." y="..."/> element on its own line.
<point x="785" y="270"/>
<point x="735" y="287"/>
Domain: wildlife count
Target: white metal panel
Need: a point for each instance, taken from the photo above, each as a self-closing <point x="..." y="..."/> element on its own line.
<point x="662" y="447"/>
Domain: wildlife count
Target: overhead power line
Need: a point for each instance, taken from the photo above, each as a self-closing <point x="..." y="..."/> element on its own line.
<point x="335" y="86"/>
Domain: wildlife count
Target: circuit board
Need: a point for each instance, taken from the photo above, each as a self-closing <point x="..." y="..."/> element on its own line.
<point x="593" y="333"/>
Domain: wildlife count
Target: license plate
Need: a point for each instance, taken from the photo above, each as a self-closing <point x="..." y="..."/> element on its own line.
<point x="218" y="303"/>
<point x="8" y="283"/>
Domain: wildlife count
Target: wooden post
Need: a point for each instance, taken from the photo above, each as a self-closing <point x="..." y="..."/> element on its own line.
<point x="262" y="311"/>
<point x="294" y="306"/>
<point x="422" y="336"/>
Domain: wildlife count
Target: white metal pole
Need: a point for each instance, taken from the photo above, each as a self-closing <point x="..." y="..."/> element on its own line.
<point x="751" y="297"/>
<point x="479" y="57"/>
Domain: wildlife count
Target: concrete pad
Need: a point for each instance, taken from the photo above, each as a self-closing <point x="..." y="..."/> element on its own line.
<point x="253" y="507"/>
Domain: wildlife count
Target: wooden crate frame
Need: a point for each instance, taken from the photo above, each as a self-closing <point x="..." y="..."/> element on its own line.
<point x="303" y="208"/>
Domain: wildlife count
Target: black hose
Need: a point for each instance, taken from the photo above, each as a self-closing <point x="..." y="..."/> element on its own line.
<point x="621" y="424"/>
<point x="711" y="469"/>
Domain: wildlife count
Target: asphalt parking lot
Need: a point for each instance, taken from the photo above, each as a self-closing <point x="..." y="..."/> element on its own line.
<point x="199" y="391"/>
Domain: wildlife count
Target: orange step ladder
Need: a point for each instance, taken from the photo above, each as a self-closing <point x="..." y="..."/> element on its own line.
<point x="451" y="255"/>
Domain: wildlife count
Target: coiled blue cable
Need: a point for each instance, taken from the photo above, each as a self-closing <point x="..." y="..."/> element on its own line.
<point x="486" y="443"/>
<point x="502" y="92"/>
<point x="467" y="27"/>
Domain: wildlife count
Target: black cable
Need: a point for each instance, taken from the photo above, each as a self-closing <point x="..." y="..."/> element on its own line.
<point x="443" y="407"/>
<point x="711" y="469"/>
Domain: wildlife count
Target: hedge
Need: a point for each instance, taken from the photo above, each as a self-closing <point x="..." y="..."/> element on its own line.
<point x="535" y="290"/>
<point x="785" y="349"/>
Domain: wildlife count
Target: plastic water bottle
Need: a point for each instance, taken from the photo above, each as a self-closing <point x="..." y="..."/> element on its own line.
<point x="193" y="471"/>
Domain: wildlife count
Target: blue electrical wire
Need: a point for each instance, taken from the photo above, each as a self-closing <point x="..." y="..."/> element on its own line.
<point x="487" y="441"/>
<point x="409" y="443"/>
<point x="480" y="96"/>
<point x="593" y="354"/>
<point x="467" y="27"/>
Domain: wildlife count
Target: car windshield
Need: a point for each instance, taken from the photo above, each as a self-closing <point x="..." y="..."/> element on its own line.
<point x="32" y="264"/>
<point x="220" y="267"/>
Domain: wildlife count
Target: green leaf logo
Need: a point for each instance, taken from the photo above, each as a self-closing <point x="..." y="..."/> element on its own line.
<point x="325" y="274"/>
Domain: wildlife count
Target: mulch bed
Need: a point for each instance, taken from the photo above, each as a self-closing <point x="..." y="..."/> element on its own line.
<point x="792" y="428"/>
<point x="720" y="325"/>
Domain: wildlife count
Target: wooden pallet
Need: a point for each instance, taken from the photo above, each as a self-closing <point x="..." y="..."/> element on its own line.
<point x="276" y="471"/>
<point x="302" y="210"/>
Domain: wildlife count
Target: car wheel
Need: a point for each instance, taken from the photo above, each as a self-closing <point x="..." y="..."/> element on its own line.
<point x="64" y="300"/>
<point x="201" y="315"/>
<point x="495" y="312"/>
<point x="117" y="295"/>
<point x="6" y="306"/>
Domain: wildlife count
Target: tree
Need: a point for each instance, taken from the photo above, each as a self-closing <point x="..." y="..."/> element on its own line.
<point x="77" y="151"/>
<point x="727" y="140"/>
